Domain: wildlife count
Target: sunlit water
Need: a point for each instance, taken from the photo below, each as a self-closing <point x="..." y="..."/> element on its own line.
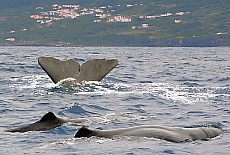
<point x="151" y="86"/>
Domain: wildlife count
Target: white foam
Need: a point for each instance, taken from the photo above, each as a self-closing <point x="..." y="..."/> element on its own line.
<point x="30" y="82"/>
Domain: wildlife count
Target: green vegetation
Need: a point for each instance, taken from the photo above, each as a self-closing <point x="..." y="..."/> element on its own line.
<point x="159" y="23"/>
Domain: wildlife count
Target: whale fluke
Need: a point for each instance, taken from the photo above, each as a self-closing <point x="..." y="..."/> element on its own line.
<point x="47" y="122"/>
<point x="92" y="70"/>
<point x="171" y="134"/>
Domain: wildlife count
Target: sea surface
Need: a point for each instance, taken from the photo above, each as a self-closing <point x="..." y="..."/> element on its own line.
<point x="171" y="86"/>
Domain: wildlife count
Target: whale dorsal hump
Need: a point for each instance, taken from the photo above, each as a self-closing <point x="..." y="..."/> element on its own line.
<point x="83" y="132"/>
<point x="48" y="117"/>
<point x="47" y="122"/>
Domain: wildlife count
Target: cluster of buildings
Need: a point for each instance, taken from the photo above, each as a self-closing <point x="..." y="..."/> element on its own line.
<point x="140" y="27"/>
<point x="119" y="18"/>
<point x="145" y="25"/>
<point x="60" y="12"/>
<point x="101" y="14"/>
<point x="156" y="16"/>
<point x="68" y="11"/>
<point x="164" y="15"/>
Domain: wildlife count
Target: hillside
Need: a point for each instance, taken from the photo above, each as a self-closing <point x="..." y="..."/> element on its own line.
<point x="115" y="23"/>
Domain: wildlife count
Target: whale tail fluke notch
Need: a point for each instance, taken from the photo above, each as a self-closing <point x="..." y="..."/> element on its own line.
<point x="92" y="70"/>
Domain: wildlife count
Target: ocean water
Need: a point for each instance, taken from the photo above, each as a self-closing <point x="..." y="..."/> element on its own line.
<point x="173" y="86"/>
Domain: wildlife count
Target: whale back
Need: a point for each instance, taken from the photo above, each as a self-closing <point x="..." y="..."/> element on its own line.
<point x="92" y="70"/>
<point x="171" y="134"/>
<point x="47" y="122"/>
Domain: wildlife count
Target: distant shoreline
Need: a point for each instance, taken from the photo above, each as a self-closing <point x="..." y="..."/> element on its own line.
<point x="47" y="45"/>
<point x="25" y="45"/>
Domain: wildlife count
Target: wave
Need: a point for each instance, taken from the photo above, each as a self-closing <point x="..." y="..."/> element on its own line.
<point x="185" y="93"/>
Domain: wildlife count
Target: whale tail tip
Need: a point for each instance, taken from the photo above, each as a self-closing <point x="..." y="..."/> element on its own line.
<point x="83" y="132"/>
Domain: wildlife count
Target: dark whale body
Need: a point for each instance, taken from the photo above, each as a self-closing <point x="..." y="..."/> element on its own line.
<point x="92" y="70"/>
<point x="47" y="122"/>
<point x="171" y="134"/>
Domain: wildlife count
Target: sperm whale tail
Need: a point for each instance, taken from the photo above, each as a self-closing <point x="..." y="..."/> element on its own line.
<point x="92" y="70"/>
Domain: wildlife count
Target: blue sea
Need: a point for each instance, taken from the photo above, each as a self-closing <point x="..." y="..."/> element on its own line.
<point x="171" y="86"/>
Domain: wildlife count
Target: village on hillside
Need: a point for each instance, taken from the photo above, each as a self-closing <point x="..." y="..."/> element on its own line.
<point x="107" y="14"/>
<point x="143" y="23"/>
<point x="69" y="11"/>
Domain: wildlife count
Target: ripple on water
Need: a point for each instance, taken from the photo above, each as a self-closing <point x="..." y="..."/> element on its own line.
<point x="161" y="86"/>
